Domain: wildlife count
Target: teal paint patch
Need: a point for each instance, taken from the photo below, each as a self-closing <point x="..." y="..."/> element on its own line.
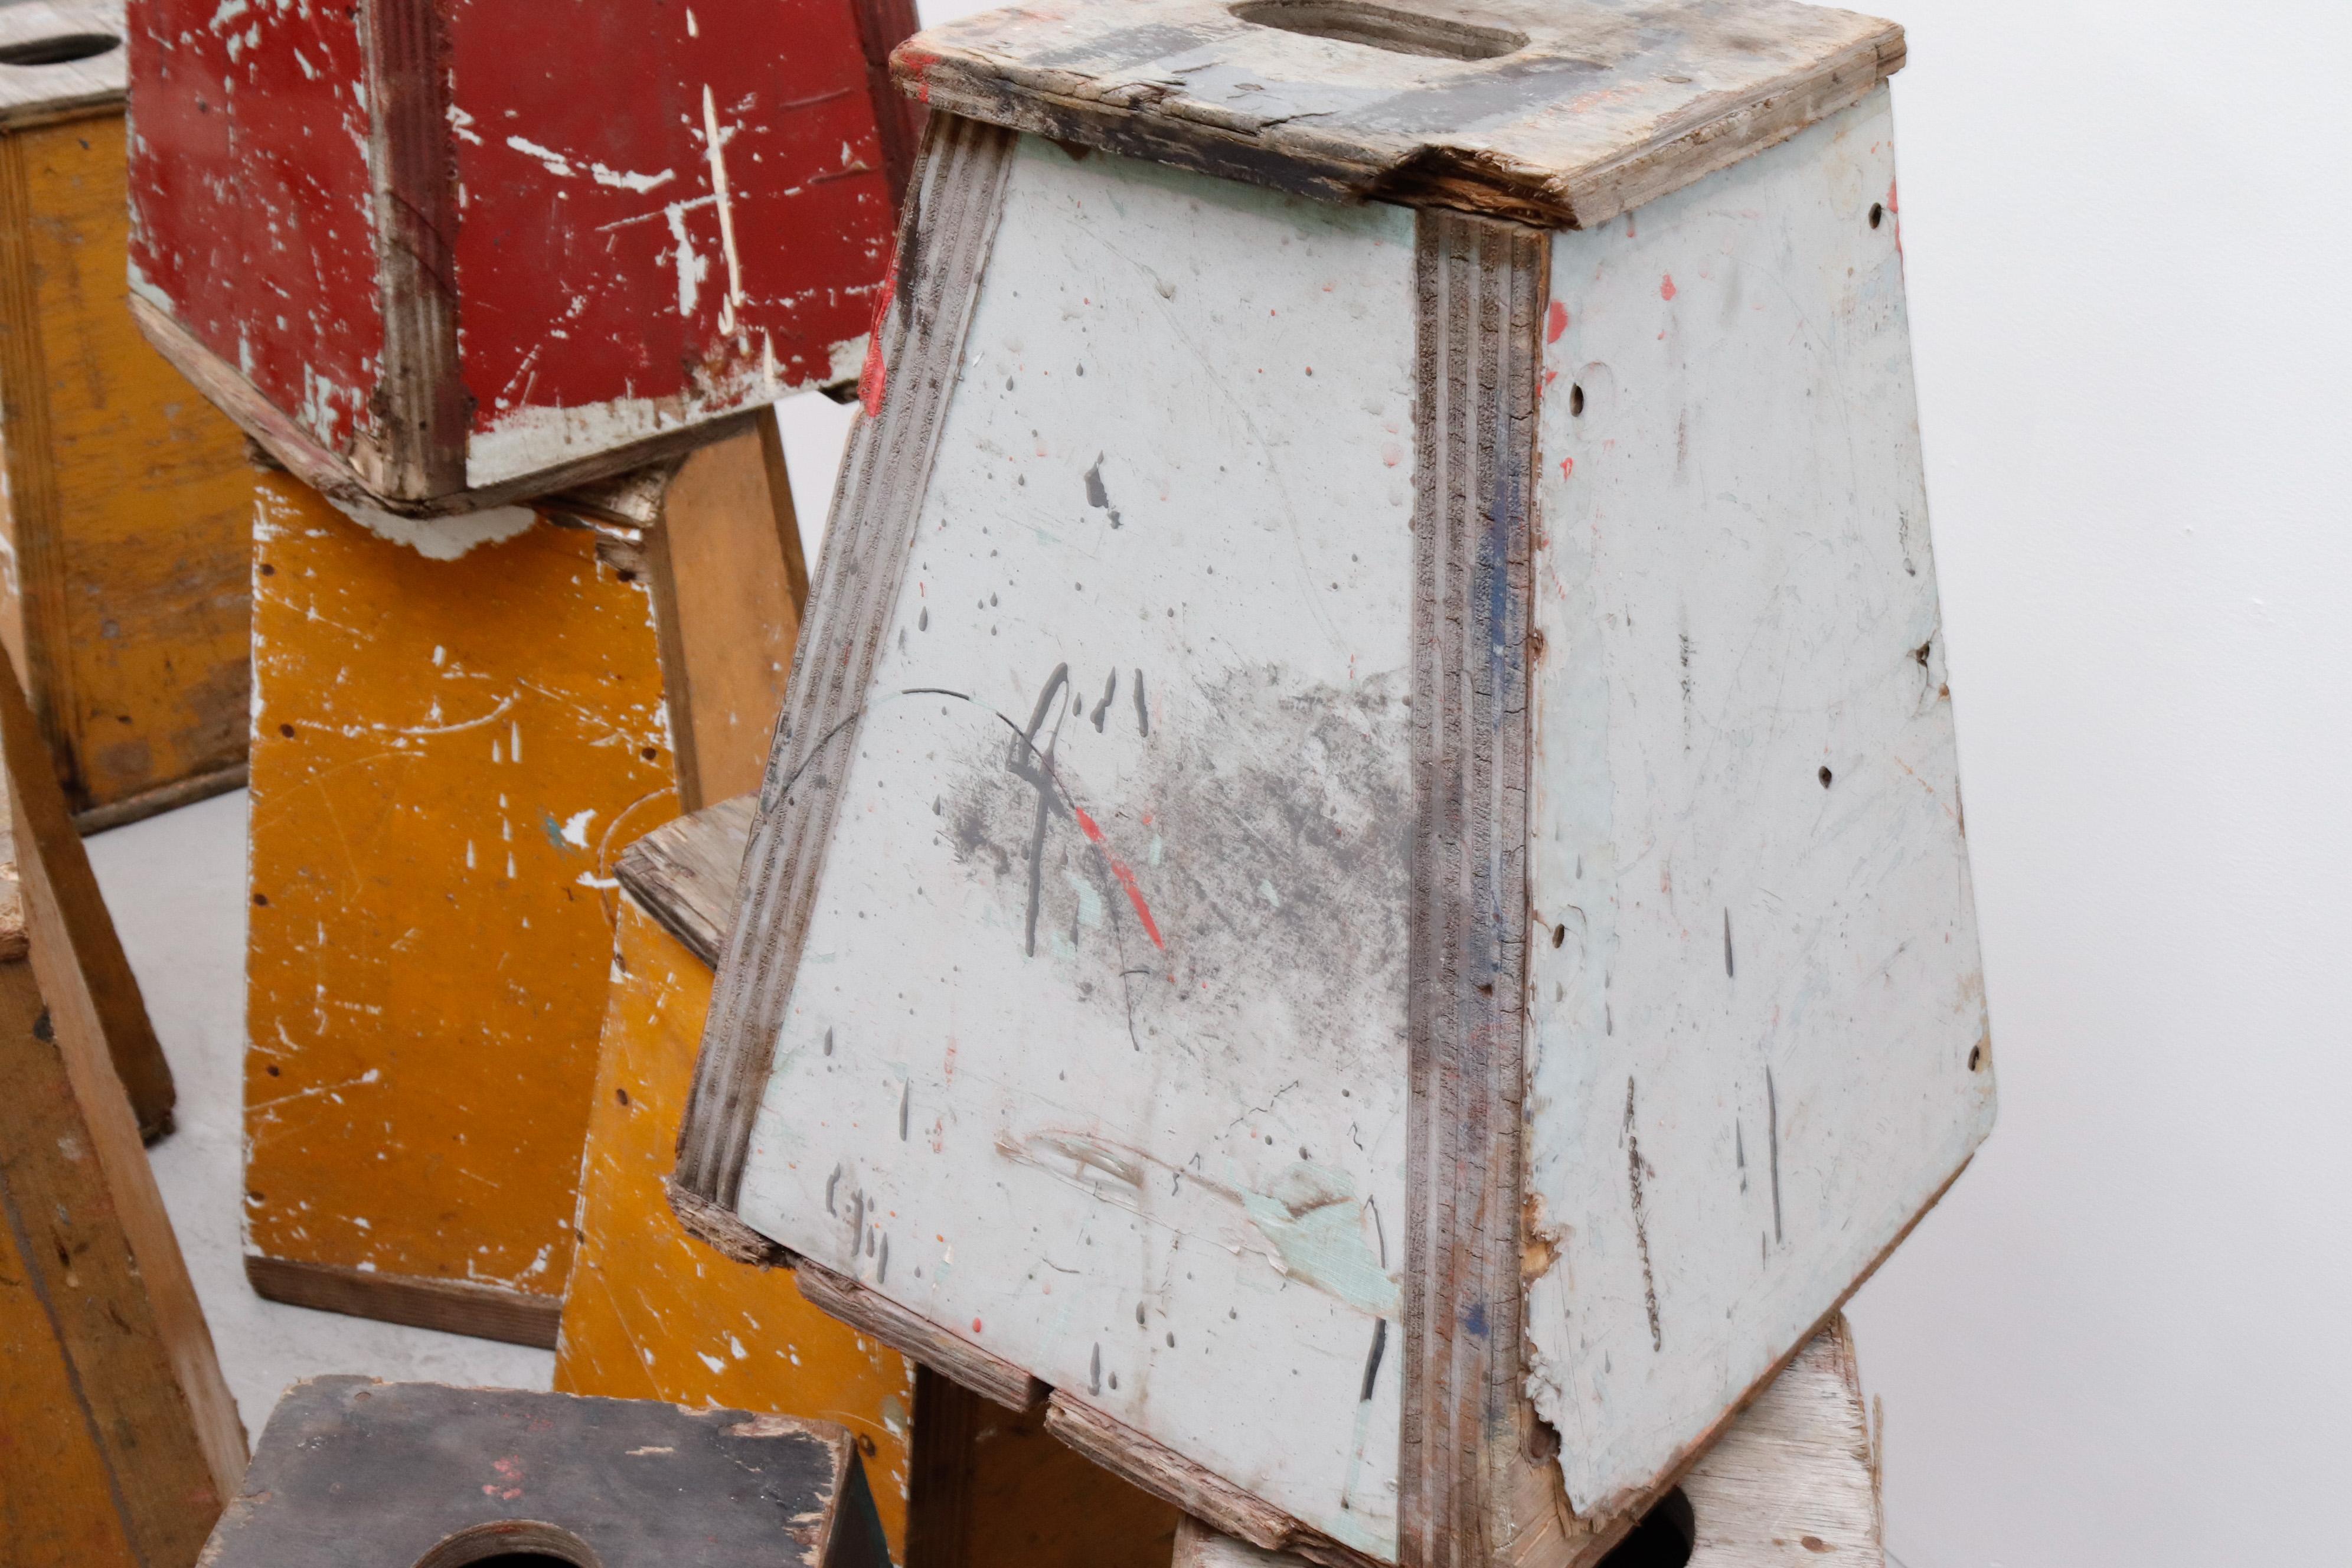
<point x="552" y="829"/>
<point x="1091" y="904"/>
<point x="1315" y="1224"/>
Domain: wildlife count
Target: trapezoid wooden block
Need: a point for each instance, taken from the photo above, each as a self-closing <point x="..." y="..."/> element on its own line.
<point x="438" y="255"/>
<point x="457" y="732"/>
<point x="651" y="1312"/>
<point x="124" y="510"/>
<point x="1362" y="875"/>
<point x="367" y="1474"/>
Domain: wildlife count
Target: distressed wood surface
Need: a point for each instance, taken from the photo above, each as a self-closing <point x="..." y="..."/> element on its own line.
<point x="388" y="1474"/>
<point x="1759" y="1046"/>
<point x="124" y="507"/>
<point x="685" y="878"/>
<point x="1561" y="115"/>
<point x="323" y="195"/>
<point x="64" y="60"/>
<point x="119" y="1441"/>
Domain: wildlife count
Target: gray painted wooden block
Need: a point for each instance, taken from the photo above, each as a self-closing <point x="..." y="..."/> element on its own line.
<point x="364" y="1474"/>
<point x="1362" y="882"/>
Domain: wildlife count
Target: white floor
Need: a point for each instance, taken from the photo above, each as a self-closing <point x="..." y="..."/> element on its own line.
<point x="176" y="885"/>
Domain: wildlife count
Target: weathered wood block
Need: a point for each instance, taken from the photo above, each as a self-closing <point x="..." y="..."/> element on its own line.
<point x="420" y="1475"/>
<point x="118" y="1440"/>
<point x="1364" y="872"/>
<point x="125" y="605"/>
<point x="415" y="255"/>
<point x="454" y="737"/>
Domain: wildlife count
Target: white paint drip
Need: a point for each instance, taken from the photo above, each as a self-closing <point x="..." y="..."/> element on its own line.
<point x="691" y="268"/>
<point x="576" y="827"/>
<point x="443" y="538"/>
<point x="556" y="163"/>
<point x="726" y="210"/>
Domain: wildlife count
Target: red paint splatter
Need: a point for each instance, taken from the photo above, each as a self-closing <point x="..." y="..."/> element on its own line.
<point x="1891" y="204"/>
<point x="1126" y="878"/>
<point x="1567" y="467"/>
<point x="873" y="378"/>
<point x="975" y="1325"/>
<point x="1666" y="289"/>
<point x="916" y="63"/>
<point x="1556" y="323"/>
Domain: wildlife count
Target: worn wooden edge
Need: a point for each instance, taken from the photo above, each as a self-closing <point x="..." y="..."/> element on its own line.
<point x="632" y="499"/>
<point x="717" y="1227"/>
<point x="334" y="476"/>
<point x="163" y="797"/>
<point x="683" y="873"/>
<point x="870" y="1312"/>
<point x="882" y="27"/>
<point x="1197" y="1491"/>
<point x="1292" y="156"/>
<point x="450" y="1306"/>
<point x="945" y="235"/>
<point x="679" y="698"/>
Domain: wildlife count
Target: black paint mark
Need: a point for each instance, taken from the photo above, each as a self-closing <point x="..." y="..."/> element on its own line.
<point x="1727" y="944"/>
<point x="1826" y="776"/>
<point x="1772" y="1105"/>
<point x="1379" y="1231"/>
<point x="1102" y="709"/>
<point x="831" y="1183"/>
<point x="905" y="1091"/>
<point x="1739" y="1151"/>
<point x="856" y="1222"/>
<point x="1098" y="496"/>
<point x="1094" y="1371"/>
<point x="1138" y="1314"/>
<point x="1037" y="769"/>
<point x="882" y="1264"/>
<point x="1142" y="709"/>
<point x="828" y="1042"/>
<point x="1642" y="1221"/>
<point x="923" y="621"/>
<point x="1373" y="1359"/>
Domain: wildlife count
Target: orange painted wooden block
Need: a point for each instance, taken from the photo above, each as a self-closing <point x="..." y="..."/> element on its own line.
<point x="124" y="512"/>
<point x="651" y="1312"/>
<point x="119" y="1441"/>
<point x="456" y="731"/>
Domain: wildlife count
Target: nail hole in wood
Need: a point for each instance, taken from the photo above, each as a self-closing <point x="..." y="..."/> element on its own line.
<point x="1664" y="1539"/>
<point x="1379" y="28"/>
<point x="1576" y="399"/>
<point x="59" y="50"/>
<point x="1826" y="776"/>
<point x="1877" y="214"/>
<point x="1559" y="936"/>
<point x="1976" y="1058"/>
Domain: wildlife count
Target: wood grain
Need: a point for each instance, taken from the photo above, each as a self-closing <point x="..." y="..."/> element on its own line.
<point x="684" y="875"/>
<point x="991" y="1377"/>
<point x="1587" y="111"/>
<point x="950" y="221"/>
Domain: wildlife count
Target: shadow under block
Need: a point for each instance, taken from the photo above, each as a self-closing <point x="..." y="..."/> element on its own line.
<point x="118" y="1440"/>
<point x="400" y="245"/>
<point x="418" y="1475"/>
<point x="126" y="502"/>
<point x="651" y="1312"/>
<point x="450" y="753"/>
<point x="1364" y="876"/>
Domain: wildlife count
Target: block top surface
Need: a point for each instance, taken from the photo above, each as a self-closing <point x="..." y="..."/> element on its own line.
<point x="59" y="56"/>
<point x="386" y="1474"/>
<point x="1563" y="115"/>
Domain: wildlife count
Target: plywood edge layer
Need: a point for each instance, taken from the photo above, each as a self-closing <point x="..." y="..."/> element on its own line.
<point x="161" y="799"/>
<point x="450" y="1306"/>
<point x="990" y="1376"/>
<point x="717" y="1227"/>
<point x="333" y="476"/>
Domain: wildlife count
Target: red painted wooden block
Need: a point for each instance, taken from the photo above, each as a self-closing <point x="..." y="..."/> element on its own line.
<point x="436" y="254"/>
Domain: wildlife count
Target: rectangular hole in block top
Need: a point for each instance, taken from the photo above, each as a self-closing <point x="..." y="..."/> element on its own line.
<point x="1380" y="28"/>
<point x="59" y="50"/>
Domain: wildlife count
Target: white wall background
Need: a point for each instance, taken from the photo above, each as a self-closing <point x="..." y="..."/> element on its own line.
<point x="2126" y="1338"/>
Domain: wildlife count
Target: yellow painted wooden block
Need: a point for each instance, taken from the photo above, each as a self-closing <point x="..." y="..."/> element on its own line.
<point x="127" y="496"/>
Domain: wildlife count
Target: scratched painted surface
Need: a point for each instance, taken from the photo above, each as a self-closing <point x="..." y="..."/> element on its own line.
<point x="652" y="1313"/>
<point x="1759" y="1041"/>
<point x="1096" y="1055"/>
<point x="448" y="756"/>
<point x="626" y="263"/>
<point x="251" y="197"/>
<point x="629" y="261"/>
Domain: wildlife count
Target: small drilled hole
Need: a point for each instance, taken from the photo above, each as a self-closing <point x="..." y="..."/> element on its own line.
<point x="1826" y="776"/>
<point x="287" y="730"/>
<point x="1559" y="935"/>
<point x="1664" y="1538"/>
<point x="1576" y="399"/>
<point x="59" y="50"/>
<point x="1379" y="27"/>
<point x="1877" y="214"/>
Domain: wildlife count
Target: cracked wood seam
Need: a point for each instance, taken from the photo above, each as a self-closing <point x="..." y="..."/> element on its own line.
<point x="944" y="238"/>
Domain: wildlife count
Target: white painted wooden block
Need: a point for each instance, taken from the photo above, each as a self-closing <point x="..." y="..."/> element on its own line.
<point x="1362" y="882"/>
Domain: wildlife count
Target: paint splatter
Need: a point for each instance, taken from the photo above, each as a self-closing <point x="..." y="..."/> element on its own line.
<point x="1666" y="289"/>
<point x="1556" y="323"/>
<point x="872" y="379"/>
<point x="1642" y="1222"/>
<point x="1118" y="868"/>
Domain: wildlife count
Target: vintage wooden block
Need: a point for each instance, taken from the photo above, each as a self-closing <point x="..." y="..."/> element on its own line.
<point x="118" y="1440"/>
<point x="1364" y="872"/>
<point x="649" y="1312"/>
<point x="452" y="745"/>
<point x="419" y="1475"/>
<point x="424" y="253"/>
<point x="123" y="514"/>
<point x="1792" y="1480"/>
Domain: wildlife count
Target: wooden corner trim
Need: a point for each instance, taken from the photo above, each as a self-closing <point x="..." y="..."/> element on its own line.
<point x="451" y="1305"/>
<point x="990" y="1376"/>
<point x="945" y="233"/>
<point x="717" y="1228"/>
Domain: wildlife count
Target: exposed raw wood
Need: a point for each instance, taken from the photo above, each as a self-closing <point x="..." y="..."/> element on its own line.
<point x="449" y="1306"/>
<point x="120" y="1440"/>
<point x="155" y="802"/>
<point x="83" y="954"/>
<point x="417" y="1475"/>
<point x="684" y="874"/>
<point x="991" y="1377"/>
<point x="124" y="507"/>
<point x="1564" y="116"/>
<point x="950" y="223"/>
